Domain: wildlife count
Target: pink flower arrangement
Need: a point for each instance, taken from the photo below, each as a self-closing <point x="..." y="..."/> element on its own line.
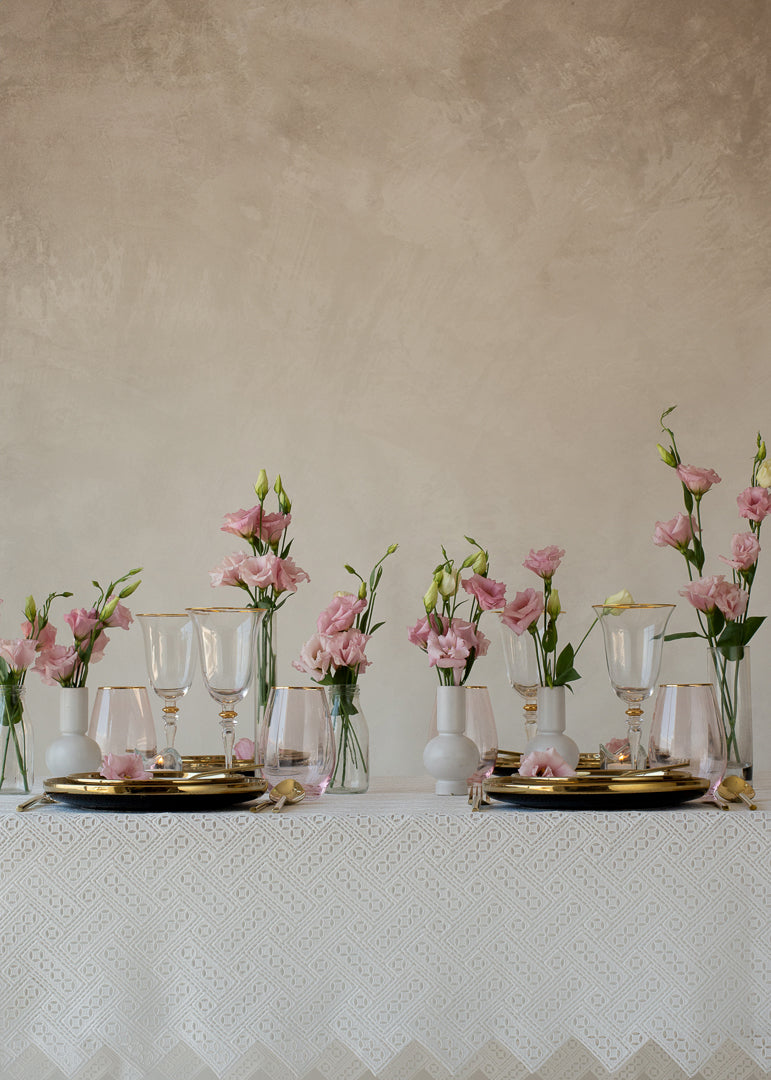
<point x="124" y="767"/>
<point x="452" y="642"/>
<point x="523" y="613"/>
<point x="17" y="655"/>
<point x="68" y="665"/>
<point x="721" y="606"/>
<point x="336" y="653"/>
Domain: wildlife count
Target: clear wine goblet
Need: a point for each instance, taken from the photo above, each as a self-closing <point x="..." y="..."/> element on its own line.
<point x="634" y="639"/>
<point x="226" y="644"/>
<point x="522" y="670"/>
<point x="170" y="660"/>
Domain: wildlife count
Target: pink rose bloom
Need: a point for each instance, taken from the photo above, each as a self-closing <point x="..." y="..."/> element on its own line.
<point x="732" y="600"/>
<point x="544" y="562"/>
<point x="744" y="549"/>
<point x="544" y="763"/>
<point x="489" y="594"/>
<point x="521" y="612"/>
<point x="340" y="614"/>
<point x="244" y="750"/>
<point x="229" y="570"/>
<point x="124" y="767"/>
<point x="18" y="653"/>
<point x="703" y="593"/>
<point x="121" y="617"/>
<point x="348" y="649"/>
<point x="81" y="622"/>
<point x="472" y="635"/>
<point x="754" y="503"/>
<point x="676" y="533"/>
<point x="315" y="657"/>
<point x="255" y="524"/>
<point x="698" y="481"/>
<point x="418" y="634"/>
<point x="288" y="575"/>
<point x="55" y="664"/>
<point x="447" y="651"/>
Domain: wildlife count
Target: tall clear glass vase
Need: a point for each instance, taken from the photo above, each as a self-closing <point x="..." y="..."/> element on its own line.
<point x="16" y="750"/>
<point x="264" y="677"/>
<point x="351" y="775"/>
<point x="729" y="671"/>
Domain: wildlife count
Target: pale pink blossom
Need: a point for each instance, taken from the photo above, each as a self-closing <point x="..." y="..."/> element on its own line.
<point x="288" y="575"/>
<point x="124" y="767"/>
<point x="677" y="532"/>
<point x="448" y="651"/>
<point x="525" y="609"/>
<point x="18" y="653"/>
<point x="472" y="635"/>
<point x="315" y="657"/>
<point x="418" y="634"/>
<point x="544" y="763"/>
<point x="544" y="562"/>
<point x="44" y="638"/>
<point x="489" y="594"/>
<point x="732" y="600"/>
<point x="56" y="663"/>
<point x="121" y="618"/>
<point x="97" y="651"/>
<point x="259" y="571"/>
<point x="244" y="749"/>
<point x="754" y="503"/>
<point x="229" y="570"/>
<point x="703" y="592"/>
<point x="340" y="614"/>
<point x="698" y="481"/>
<point x="81" y="621"/>
<point x="255" y="524"/>
<point x="744" y="550"/>
<point x="348" y="649"/>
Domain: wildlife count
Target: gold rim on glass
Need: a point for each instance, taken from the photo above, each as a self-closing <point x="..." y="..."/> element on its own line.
<point x="623" y="606"/>
<point x="162" y="615"/>
<point x="244" y="610"/>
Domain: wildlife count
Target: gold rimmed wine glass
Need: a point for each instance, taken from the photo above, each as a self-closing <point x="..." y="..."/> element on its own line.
<point x="634" y="640"/>
<point x="226" y="644"/>
<point x="522" y="670"/>
<point x="170" y="656"/>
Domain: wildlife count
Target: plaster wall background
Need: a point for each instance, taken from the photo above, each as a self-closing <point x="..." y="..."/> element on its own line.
<point x="440" y="265"/>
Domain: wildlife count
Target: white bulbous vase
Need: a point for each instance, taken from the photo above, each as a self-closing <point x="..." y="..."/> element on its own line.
<point x="73" y="751"/>
<point x="550" y="733"/>
<point x="451" y="757"/>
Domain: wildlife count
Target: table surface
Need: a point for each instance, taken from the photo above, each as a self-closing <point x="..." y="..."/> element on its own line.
<point x="393" y="934"/>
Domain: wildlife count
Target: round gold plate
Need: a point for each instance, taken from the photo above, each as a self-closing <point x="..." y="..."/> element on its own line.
<point x="597" y="789"/>
<point x="90" y="791"/>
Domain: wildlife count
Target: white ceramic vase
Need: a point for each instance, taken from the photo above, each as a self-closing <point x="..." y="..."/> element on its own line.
<point x="551" y="725"/>
<point x="73" y="751"/>
<point x="451" y="757"/>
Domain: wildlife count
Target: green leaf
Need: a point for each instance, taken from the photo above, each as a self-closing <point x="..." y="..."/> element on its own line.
<point x="561" y="678"/>
<point x="666" y="413"/>
<point x="471" y="541"/>
<point x="677" y="637"/>
<point x="377" y="626"/>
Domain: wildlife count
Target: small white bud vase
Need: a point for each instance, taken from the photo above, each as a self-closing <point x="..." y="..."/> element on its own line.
<point x="551" y="725"/>
<point x="73" y="751"/>
<point x="451" y="758"/>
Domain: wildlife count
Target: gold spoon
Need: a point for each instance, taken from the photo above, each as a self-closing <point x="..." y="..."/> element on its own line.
<point x="735" y="789"/>
<point x="36" y="800"/>
<point x="286" y="791"/>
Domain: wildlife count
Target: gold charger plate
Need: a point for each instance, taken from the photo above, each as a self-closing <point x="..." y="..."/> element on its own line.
<point x="597" y="789"/>
<point x="90" y="791"/>
<point x="507" y="762"/>
<point x="209" y="762"/>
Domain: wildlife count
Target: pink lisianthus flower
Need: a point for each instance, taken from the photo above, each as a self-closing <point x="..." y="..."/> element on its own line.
<point x="56" y="663"/>
<point x="418" y="634"/>
<point x="81" y="621"/>
<point x="315" y="657"/>
<point x="288" y="575"/>
<point x="229" y="570"/>
<point x="703" y="592"/>
<point x="18" y="653"/>
<point x="255" y="524"/>
<point x="121" y="618"/>
<point x="744" y="550"/>
<point x="677" y="532"/>
<point x="473" y="637"/>
<point x="244" y="749"/>
<point x="44" y="638"/>
<point x="732" y="600"/>
<point x="124" y="767"/>
<point x="449" y="650"/>
<point x="348" y="649"/>
<point x="97" y="652"/>
<point x="525" y="609"/>
<point x="488" y="594"/>
<point x="259" y="571"/>
<point x="698" y="481"/>
<point x="754" y="503"/>
<point x="544" y="763"/>
<point x="544" y="562"/>
<point x="340" y="614"/>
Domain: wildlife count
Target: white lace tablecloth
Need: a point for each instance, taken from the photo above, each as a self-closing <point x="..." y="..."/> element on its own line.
<point x="394" y="934"/>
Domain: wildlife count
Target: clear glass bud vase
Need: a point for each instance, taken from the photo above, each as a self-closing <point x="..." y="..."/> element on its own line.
<point x="351" y="775"/>
<point x="16" y="750"/>
<point x="729" y="671"/>
<point x="264" y="668"/>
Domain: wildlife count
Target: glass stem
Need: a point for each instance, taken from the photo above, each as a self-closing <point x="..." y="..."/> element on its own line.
<point x="633" y="720"/>
<point x="228" y="722"/>
<point x="170" y="724"/>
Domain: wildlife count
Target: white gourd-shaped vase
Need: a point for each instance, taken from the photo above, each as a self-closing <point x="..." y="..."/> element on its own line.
<point x="550" y="732"/>
<point x="451" y="757"/>
<point x="73" y="751"/>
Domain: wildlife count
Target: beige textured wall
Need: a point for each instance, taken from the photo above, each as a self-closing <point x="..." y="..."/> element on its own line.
<point x="442" y="265"/>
